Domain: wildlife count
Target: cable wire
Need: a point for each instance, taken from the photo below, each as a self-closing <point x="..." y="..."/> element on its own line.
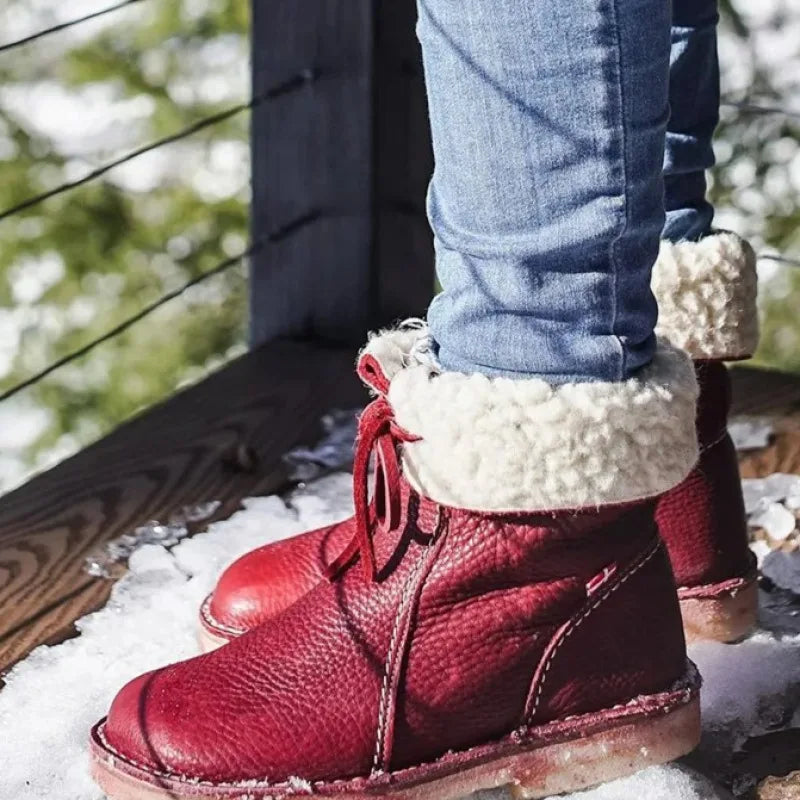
<point x="65" y="25"/>
<point x="295" y="82"/>
<point x="127" y="323"/>
<point x="792" y="262"/>
<point x="754" y="108"/>
<point x="277" y="235"/>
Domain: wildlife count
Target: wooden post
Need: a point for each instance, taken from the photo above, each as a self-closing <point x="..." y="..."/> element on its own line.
<point x="341" y="160"/>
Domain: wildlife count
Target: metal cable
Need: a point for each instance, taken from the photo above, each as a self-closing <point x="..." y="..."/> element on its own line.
<point x="792" y="262"/>
<point x="125" y="324"/>
<point x="277" y="235"/>
<point x="293" y="83"/>
<point x="65" y="25"/>
<point x="754" y="108"/>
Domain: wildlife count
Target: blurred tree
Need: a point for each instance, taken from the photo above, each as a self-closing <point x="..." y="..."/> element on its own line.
<point x="75" y="265"/>
<point x="756" y="183"/>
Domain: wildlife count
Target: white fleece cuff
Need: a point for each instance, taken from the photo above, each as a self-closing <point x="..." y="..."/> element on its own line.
<point x="501" y="444"/>
<point x="706" y="293"/>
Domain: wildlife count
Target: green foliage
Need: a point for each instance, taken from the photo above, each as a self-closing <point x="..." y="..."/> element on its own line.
<point x="111" y="250"/>
<point x="757" y="178"/>
<point x="76" y="265"/>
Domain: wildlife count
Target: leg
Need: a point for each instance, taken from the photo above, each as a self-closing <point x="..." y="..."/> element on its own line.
<point x="503" y="611"/>
<point x="705" y="285"/>
<point x="548" y="124"/>
<point x="694" y="103"/>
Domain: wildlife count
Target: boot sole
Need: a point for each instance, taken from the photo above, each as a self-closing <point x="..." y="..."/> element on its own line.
<point x="563" y="756"/>
<point x="720" y="612"/>
<point x="212" y="634"/>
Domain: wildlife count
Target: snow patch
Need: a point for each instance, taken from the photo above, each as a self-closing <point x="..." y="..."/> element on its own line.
<point x="771" y="504"/>
<point x="53" y="697"/>
<point x="750" y="433"/>
<point x="776" y="520"/>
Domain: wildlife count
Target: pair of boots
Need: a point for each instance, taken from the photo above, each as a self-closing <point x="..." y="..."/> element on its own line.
<point x="503" y="611"/>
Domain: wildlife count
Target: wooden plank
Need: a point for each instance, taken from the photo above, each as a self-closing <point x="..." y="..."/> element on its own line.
<point x="773" y="396"/>
<point x="353" y="144"/>
<point x="404" y="261"/>
<point x="765" y="393"/>
<point x="180" y="453"/>
<point x="311" y="151"/>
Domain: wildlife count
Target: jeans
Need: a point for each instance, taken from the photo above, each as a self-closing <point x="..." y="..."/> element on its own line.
<point x="694" y="114"/>
<point x="547" y="203"/>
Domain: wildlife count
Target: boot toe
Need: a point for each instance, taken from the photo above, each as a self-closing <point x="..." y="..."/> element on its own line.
<point x="132" y="730"/>
<point x="263" y="583"/>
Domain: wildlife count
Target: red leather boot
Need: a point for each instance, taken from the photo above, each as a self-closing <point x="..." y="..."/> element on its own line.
<point x="706" y="293"/>
<point x="707" y="299"/>
<point x="504" y="613"/>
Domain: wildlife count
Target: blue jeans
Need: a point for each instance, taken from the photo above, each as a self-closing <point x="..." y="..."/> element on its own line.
<point x="549" y="122"/>
<point x="694" y="114"/>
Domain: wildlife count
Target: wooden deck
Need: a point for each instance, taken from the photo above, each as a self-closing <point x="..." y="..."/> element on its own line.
<point x="220" y="440"/>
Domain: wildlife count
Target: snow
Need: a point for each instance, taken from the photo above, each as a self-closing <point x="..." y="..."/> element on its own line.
<point x="100" y="564"/>
<point x="53" y="697"/>
<point x="776" y="520"/>
<point x="783" y="569"/>
<point x="749" y="434"/>
<point x="771" y="504"/>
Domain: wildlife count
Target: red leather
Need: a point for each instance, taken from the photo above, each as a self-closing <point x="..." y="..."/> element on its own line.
<point x="702" y="521"/>
<point x="443" y="650"/>
<point x="264" y="582"/>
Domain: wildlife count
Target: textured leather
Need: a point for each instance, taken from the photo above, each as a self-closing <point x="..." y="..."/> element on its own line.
<point x="264" y="582"/>
<point x="443" y="650"/>
<point x="702" y="520"/>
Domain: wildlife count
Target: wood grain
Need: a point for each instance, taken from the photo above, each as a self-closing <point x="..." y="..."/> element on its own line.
<point x="180" y="453"/>
<point x="775" y="397"/>
<point x="311" y="150"/>
<point x="352" y="144"/>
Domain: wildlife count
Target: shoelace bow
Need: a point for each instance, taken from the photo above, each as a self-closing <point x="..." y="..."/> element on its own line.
<point x="377" y="432"/>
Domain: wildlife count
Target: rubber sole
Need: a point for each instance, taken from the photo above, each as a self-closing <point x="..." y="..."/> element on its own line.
<point x="211" y="634"/>
<point x="208" y="641"/>
<point x="562" y="756"/>
<point x="720" y="613"/>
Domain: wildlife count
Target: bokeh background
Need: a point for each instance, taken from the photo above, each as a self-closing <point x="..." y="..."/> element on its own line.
<point x="78" y="264"/>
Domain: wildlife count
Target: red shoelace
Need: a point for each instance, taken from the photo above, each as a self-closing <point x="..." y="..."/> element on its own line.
<point x="377" y="432"/>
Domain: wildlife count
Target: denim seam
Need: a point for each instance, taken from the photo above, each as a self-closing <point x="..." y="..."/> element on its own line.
<point x="622" y="127"/>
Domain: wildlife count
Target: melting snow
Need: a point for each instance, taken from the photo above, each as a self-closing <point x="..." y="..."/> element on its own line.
<point x="776" y="520"/>
<point x="783" y="569"/>
<point x="750" y="434"/>
<point x="53" y="697"/>
<point x="771" y="504"/>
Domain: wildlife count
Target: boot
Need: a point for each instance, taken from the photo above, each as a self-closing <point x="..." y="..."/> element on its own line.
<point x="706" y="294"/>
<point x="707" y="298"/>
<point x="503" y="615"/>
